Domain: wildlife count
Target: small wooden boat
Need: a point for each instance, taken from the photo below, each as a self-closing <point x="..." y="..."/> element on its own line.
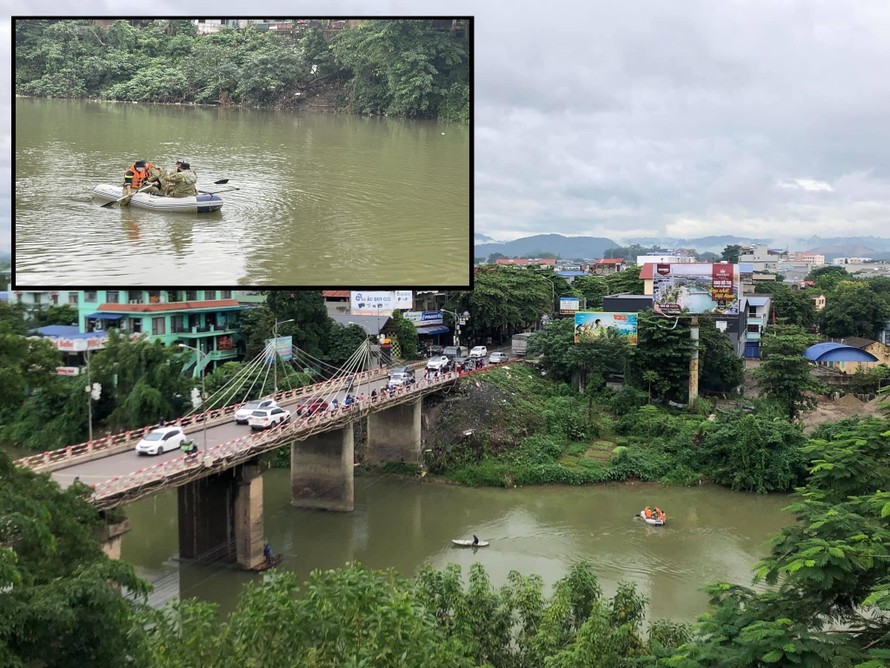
<point x="201" y="203"/>
<point x="265" y="566"/>
<point x="654" y="521"/>
<point x="468" y="542"/>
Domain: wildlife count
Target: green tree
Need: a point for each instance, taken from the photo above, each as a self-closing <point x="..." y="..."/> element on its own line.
<point x="852" y="309"/>
<point x="26" y="365"/>
<point x="56" y="315"/>
<point x="827" y="278"/>
<point x="664" y="348"/>
<point x="720" y="369"/>
<point x="731" y="253"/>
<point x="627" y="281"/>
<point x="406" y="333"/>
<point x="593" y="289"/>
<point x="790" y="306"/>
<point x="345" y="340"/>
<point x="784" y="373"/>
<point x="565" y="360"/>
<point x="311" y="324"/>
<point x="60" y="603"/>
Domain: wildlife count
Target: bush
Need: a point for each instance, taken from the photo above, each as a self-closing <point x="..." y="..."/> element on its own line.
<point x="637" y="462"/>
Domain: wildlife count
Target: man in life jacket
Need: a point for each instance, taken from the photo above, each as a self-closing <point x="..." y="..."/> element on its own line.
<point x="647" y="513"/>
<point x="135" y="175"/>
<point x="658" y="513"/>
<point x="182" y="182"/>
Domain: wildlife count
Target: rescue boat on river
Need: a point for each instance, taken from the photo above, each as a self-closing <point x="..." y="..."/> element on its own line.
<point x="654" y="517"/>
<point x="201" y="203"/>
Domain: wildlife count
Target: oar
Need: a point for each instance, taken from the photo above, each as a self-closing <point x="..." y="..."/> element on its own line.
<point x="213" y="192"/>
<point x="125" y="197"/>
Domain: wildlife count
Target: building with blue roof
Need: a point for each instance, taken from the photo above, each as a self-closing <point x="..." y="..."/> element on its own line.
<point x="840" y="356"/>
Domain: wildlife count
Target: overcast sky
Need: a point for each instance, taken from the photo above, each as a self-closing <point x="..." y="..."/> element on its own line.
<point x="652" y="118"/>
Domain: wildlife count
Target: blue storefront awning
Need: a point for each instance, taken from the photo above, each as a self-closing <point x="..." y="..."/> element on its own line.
<point x="435" y="329"/>
<point x="106" y="316"/>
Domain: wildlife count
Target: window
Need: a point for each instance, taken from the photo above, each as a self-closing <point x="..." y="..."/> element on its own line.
<point x="157" y="326"/>
<point x="91" y="296"/>
<point x="154" y="296"/>
<point x="225" y="294"/>
<point x="209" y="294"/>
<point x="136" y="325"/>
<point x="72" y="298"/>
<point x="191" y="295"/>
<point x="112" y="297"/>
<point x="55" y="298"/>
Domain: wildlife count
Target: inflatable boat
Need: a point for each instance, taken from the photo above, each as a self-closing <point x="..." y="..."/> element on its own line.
<point x="653" y="520"/>
<point x="202" y="203"/>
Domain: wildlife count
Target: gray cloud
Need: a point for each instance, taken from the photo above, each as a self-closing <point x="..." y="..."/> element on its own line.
<point x="659" y="118"/>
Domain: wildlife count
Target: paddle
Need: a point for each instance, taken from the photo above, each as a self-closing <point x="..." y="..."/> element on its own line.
<point x="213" y="192"/>
<point x="125" y="197"/>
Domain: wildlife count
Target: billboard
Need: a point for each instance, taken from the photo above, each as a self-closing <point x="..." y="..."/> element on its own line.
<point x="591" y="324"/>
<point x="283" y="345"/>
<point x="424" y="318"/>
<point x="569" y="304"/>
<point x="696" y="288"/>
<point x="380" y="303"/>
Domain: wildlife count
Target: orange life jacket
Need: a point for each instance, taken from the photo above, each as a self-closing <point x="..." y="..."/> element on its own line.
<point x="139" y="175"/>
<point x="647" y="512"/>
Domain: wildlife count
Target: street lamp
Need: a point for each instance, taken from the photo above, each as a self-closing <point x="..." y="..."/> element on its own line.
<point x="458" y="321"/>
<point x="203" y="396"/>
<point x="275" y="348"/>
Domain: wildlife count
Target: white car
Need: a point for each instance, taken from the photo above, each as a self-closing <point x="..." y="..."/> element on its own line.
<point x="243" y="413"/>
<point x="160" y="440"/>
<point x="268" y="417"/>
<point x="478" y="351"/>
<point x="437" y="363"/>
<point x="497" y="357"/>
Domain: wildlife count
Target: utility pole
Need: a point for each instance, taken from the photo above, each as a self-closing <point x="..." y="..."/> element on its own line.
<point x="693" y="362"/>
<point x="275" y="349"/>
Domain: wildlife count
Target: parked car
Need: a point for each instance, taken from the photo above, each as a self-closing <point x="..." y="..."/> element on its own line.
<point x="478" y="351"/>
<point x="243" y="413"/>
<point x="437" y="363"/>
<point x="307" y="406"/>
<point x="454" y="351"/>
<point x="435" y="350"/>
<point x="268" y="417"/>
<point x="160" y="440"/>
<point x="497" y="357"/>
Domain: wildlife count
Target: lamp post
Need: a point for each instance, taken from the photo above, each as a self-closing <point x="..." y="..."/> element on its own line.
<point x="275" y="349"/>
<point x="459" y="319"/>
<point x="203" y="369"/>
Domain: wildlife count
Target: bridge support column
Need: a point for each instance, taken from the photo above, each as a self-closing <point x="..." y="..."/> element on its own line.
<point x="221" y="517"/>
<point x="321" y="471"/>
<point x="111" y="536"/>
<point x="394" y="434"/>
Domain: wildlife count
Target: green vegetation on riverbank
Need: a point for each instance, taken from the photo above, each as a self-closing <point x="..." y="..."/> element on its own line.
<point x="514" y="426"/>
<point x="826" y="604"/>
<point x="396" y="67"/>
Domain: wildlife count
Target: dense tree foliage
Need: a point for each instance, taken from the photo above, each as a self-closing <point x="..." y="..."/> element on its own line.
<point x="731" y="253"/>
<point x="720" y="369"/>
<point x="826" y="278"/>
<point x="663" y="349"/>
<point x="790" y="306"/>
<point x="784" y="374"/>
<point x="852" y="309"/>
<point x="59" y="601"/>
<point x="395" y="67"/>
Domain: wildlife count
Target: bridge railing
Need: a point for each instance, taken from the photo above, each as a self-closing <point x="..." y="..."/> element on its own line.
<point x="224" y="455"/>
<point x="189" y="423"/>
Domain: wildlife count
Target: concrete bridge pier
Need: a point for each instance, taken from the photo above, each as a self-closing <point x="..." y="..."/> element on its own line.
<point x="111" y="535"/>
<point x="321" y="471"/>
<point x="221" y="517"/>
<point x="394" y="434"/>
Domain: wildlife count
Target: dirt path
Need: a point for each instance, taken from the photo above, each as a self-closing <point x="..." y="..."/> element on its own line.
<point x="847" y="406"/>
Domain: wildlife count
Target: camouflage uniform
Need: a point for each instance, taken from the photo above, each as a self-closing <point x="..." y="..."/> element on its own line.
<point x="158" y="174"/>
<point x="181" y="184"/>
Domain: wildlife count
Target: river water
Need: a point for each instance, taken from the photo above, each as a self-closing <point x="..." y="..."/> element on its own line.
<point x="712" y="534"/>
<point x="322" y="199"/>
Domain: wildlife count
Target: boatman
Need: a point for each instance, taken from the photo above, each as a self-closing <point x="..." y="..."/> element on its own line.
<point x="182" y="182"/>
<point x="267" y="552"/>
<point x="135" y="175"/>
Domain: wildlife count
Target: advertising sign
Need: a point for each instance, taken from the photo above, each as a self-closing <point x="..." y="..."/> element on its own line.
<point x="77" y="345"/>
<point x="380" y="303"/>
<point x="569" y="304"/>
<point x="697" y="288"/>
<point x="424" y="318"/>
<point x="67" y="370"/>
<point x="591" y="324"/>
<point x="283" y="345"/>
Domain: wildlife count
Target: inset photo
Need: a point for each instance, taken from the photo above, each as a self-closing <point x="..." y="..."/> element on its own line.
<point x="297" y="152"/>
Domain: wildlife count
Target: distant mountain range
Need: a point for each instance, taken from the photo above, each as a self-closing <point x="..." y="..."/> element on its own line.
<point x="595" y="247"/>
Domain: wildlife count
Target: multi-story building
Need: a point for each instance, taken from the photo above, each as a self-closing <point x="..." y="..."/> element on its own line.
<point x="761" y="258"/>
<point x="808" y="257"/>
<point x="204" y="319"/>
<point x="677" y="258"/>
<point x="607" y="266"/>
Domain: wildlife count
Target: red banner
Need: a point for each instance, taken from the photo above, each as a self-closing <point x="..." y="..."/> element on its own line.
<point x="721" y="283"/>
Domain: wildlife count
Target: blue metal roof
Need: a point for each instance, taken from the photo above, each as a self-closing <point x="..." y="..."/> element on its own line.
<point x="746" y="268"/>
<point x="58" y="330"/>
<point x="837" y="352"/>
<point x="572" y="273"/>
<point x="757" y="301"/>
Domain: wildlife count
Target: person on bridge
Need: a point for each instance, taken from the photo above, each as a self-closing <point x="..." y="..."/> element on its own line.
<point x="267" y="552"/>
